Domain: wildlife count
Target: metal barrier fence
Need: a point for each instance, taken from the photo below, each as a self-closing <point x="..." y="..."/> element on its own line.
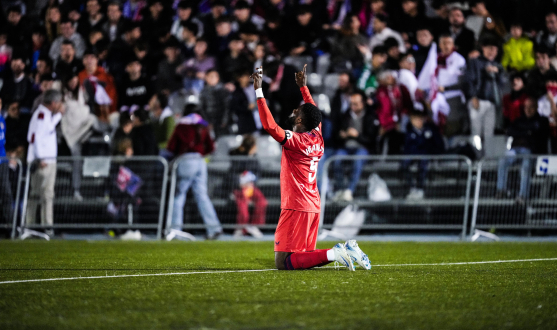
<point x="515" y="192"/>
<point x="98" y="192"/>
<point x="399" y="192"/>
<point x="11" y="171"/>
<point x="253" y="202"/>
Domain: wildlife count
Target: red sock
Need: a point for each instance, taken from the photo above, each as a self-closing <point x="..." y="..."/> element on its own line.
<point x="306" y="260"/>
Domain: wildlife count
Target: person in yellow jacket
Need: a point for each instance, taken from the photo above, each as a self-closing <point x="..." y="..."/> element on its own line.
<point x="518" y="51"/>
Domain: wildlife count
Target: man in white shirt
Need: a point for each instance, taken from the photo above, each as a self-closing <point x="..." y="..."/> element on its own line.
<point x="42" y="153"/>
<point x="382" y="32"/>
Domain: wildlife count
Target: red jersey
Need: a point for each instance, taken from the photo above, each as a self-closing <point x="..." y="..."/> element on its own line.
<point x="301" y="153"/>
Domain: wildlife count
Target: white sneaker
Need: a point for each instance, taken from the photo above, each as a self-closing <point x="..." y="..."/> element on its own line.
<point x="338" y="196"/>
<point x="254" y="231"/>
<point x="238" y="233"/>
<point x="77" y="196"/>
<point x="131" y="235"/>
<point x="174" y="233"/>
<point x="347" y="195"/>
<point x="419" y="194"/>
<point x="358" y="256"/>
<point x="342" y="257"/>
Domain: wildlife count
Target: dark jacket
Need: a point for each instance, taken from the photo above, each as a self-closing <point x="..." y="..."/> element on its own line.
<point x="213" y="103"/>
<point x="531" y="133"/>
<point x="144" y="141"/>
<point x="239" y="107"/>
<point x="536" y="81"/>
<point x="367" y="138"/>
<point x="167" y="78"/>
<point x="22" y="91"/>
<point x="485" y="85"/>
<point x="465" y="41"/>
<point x="64" y="70"/>
<point x="427" y="141"/>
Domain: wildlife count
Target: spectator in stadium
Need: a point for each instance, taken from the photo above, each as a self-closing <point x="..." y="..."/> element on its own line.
<point x="122" y="132"/>
<point x="133" y="9"/>
<point x="382" y="31"/>
<point x="68" y="33"/>
<point x="97" y="75"/>
<point x="541" y="74"/>
<point x="184" y="15"/>
<point x="243" y="175"/>
<point x="6" y="198"/>
<point x="192" y="139"/>
<point x="463" y="37"/>
<point x="43" y="67"/>
<point x="449" y="83"/>
<point x="243" y="105"/>
<point x="43" y="150"/>
<point x="136" y="89"/>
<point x="17" y="125"/>
<point x="367" y="15"/>
<point x="340" y="103"/>
<point x="52" y="22"/>
<point x="275" y="33"/>
<point x="214" y="103"/>
<point x="356" y="135"/>
<point x="194" y="69"/>
<point x="518" y="51"/>
<point x="440" y="22"/>
<point x="168" y="80"/>
<point x="46" y="82"/>
<point x="17" y="86"/>
<point x="530" y="133"/>
<point x="244" y="17"/>
<point x="486" y="79"/>
<point x="67" y="65"/>
<point x="5" y="51"/>
<point x="142" y="135"/>
<point x="368" y="80"/>
<point x="407" y="74"/>
<point x="393" y="54"/>
<point x="422" y="138"/>
<point x="39" y="46"/>
<point x="92" y="19"/>
<point x="113" y="27"/>
<point x="218" y="10"/>
<point x="16" y="27"/>
<point x="76" y="124"/>
<point x="476" y="21"/>
<point x="235" y="61"/>
<point x="513" y="103"/>
<point x="348" y="46"/>
<point x="548" y="37"/>
<point x="393" y="105"/>
<point x="412" y="16"/>
<point x="188" y="39"/>
<point x="305" y="34"/>
<point x="162" y="119"/>
<point x="425" y="54"/>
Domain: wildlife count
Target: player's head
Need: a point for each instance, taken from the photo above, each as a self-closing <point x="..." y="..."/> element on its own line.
<point x="305" y="118"/>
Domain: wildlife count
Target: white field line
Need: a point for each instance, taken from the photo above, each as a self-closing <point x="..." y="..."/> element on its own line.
<point x="263" y="270"/>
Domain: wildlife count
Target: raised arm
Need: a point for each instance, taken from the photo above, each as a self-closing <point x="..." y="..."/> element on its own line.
<point x="301" y="81"/>
<point x="265" y="115"/>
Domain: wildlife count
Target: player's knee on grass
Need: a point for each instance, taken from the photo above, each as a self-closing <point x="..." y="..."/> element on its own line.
<point x="280" y="257"/>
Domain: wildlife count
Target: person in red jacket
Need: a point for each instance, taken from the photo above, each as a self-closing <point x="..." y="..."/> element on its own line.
<point x="191" y="141"/>
<point x="96" y="74"/>
<point x="513" y="103"/>
<point x="393" y="105"/>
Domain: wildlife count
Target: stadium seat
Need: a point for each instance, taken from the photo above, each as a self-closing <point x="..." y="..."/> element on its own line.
<point x="315" y="82"/>
<point x="330" y="84"/>
<point x="323" y="103"/>
<point x="323" y="63"/>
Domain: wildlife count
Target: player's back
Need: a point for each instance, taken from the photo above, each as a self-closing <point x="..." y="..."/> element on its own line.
<point x="298" y="177"/>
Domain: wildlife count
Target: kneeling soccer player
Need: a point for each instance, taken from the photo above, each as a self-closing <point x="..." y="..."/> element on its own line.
<point x="302" y="148"/>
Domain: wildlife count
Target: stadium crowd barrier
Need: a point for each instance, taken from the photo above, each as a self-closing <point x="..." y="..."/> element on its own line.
<point x="115" y="193"/>
<point x="444" y="205"/>
<point x="131" y="193"/>
<point x="11" y="173"/>
<point x="535" y="210"/>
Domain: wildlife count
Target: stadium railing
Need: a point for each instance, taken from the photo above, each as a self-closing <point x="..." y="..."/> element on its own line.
<point x="110" y="193"/>
<point x="444" y="204"/>
<point x="223" y="188"/>
<point x="11" y="171"/>
<point x="534" y="208"/>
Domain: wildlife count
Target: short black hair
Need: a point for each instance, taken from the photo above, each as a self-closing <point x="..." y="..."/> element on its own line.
<point x="242" y="5"/>
<point x="142" y="115"/>
<point x="542" y="49"/>
<point x="383" y="18"/>
<point x="163" y="100"/>
<point x="185" y="5"/>
<point x="390" y="43"/>
<point x="190" y="108"/>
<point x="379" y="50"/>
<point x="311" y="116"/>
<point x="14" y="9"/>
<point x="68" y="42"/>
<point x="490" y="41"/>
<point x="192" y="27"/>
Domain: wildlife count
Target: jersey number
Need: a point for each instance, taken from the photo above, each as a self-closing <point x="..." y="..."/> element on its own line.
<point x="313" y="167"/>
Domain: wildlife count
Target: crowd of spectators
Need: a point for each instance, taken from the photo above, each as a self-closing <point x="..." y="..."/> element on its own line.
<point x="408" y="71"/>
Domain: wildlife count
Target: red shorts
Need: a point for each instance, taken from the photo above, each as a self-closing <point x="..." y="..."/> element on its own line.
<point x="296" y="231"/>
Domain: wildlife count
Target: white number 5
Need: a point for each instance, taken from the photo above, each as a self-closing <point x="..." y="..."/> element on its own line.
<point x="313" y="167"/>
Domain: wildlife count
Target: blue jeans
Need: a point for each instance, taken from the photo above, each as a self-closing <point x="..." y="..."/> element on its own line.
<point x="357" y="167"/>
<point x="192" y="172"/>
<point x="509" y="160"/>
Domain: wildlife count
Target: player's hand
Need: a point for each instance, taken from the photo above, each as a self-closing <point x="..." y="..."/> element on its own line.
<point x="257" y="79"/>
<point x="301" y="77"/>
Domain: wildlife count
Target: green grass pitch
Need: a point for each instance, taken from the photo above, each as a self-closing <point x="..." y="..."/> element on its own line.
<point x="521" y="295"/>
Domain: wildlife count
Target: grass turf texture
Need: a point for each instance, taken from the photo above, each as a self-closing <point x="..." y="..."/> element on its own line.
<point x="481" y="296"/>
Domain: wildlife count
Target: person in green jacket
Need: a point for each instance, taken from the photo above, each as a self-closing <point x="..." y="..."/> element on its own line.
<point x="368" y="79"/>
<point x="162" y="119"/>
<point x="518" y="52"/>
